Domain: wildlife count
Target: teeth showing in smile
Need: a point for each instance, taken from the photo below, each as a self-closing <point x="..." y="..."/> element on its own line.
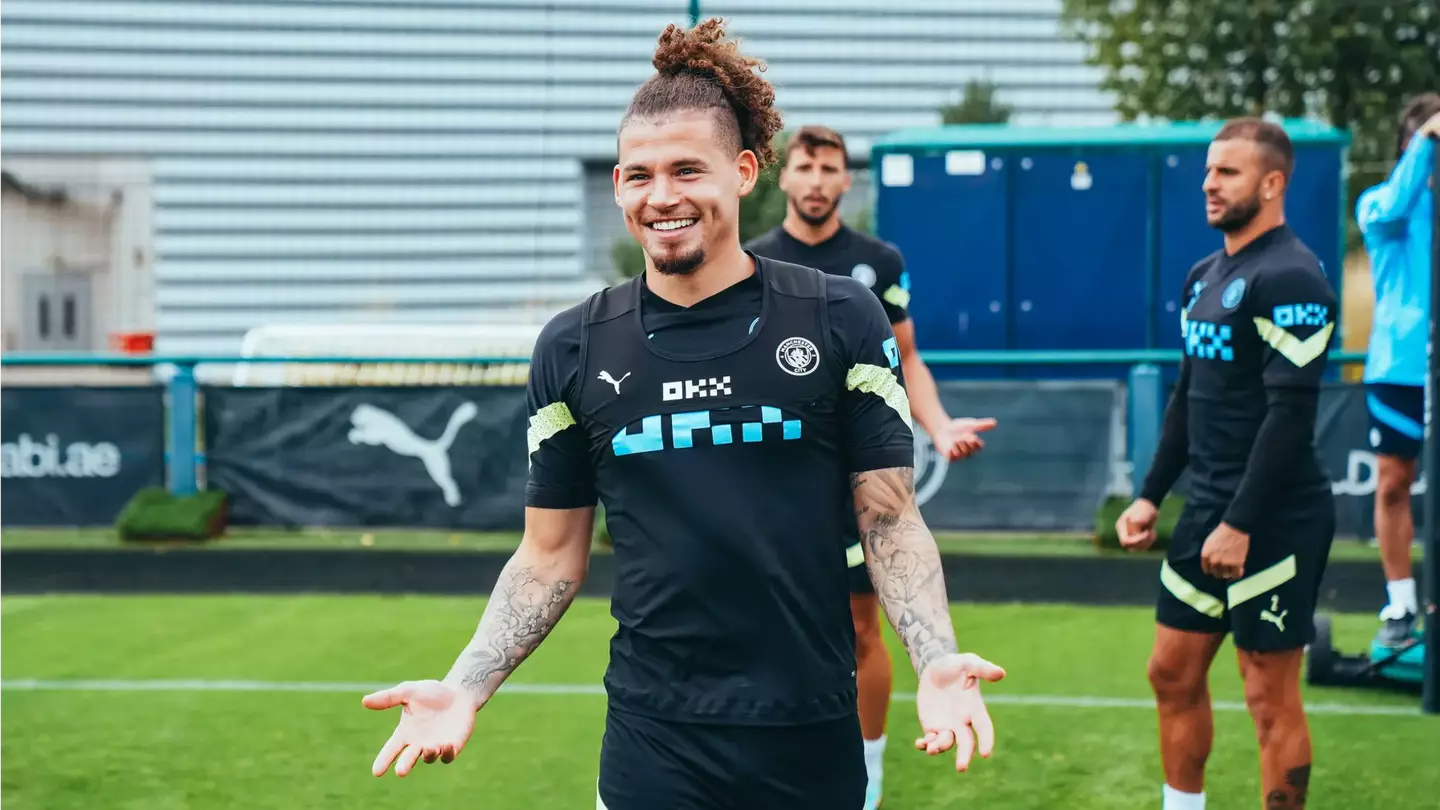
<point x="671" y="224"/>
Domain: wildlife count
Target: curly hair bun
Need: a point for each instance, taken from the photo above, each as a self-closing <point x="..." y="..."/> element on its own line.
<point x="700" y="69"/>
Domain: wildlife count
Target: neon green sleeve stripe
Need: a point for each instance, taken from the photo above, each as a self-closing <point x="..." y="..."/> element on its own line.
<point x="882" y="383"/>
<point x="897" y="296"/>
<point x="1300" y="352"/>
<point x="546" y="422"/>
<point x="855" y="556"/>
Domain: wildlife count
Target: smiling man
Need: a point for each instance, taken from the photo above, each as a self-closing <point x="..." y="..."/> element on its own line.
<point x="726" y="409"/>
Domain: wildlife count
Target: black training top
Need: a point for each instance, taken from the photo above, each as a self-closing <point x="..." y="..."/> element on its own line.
<point x="851" y="253"/>
<point x="721" y="449"/>
<point x="1257" y="328"/>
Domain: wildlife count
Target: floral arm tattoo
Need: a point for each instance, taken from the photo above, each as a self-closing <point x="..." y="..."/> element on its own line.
<point x="523" y="609"/>
<point x="904" y="563"/>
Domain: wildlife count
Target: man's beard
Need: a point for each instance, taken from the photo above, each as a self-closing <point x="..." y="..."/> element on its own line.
<point x="681" y="265"/>
<point x="816" y="220"/>
<point x="1239" y="215"/>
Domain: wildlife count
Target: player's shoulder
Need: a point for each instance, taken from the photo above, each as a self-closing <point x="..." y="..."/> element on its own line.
<point x="794" y="280"/>
<point x="1291" y="259"/>
<point x="798" y="281"/>
<point x="1295" y="276"/>
<point x="876" y="250"/>
<point x="1203" y="266"/>
<point x="766" y="243"/>
<point x="848" y="298"/>
<point x="562" y="333"/>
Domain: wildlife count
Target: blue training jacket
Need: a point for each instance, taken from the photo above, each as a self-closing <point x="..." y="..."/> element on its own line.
<point x="1396" y="218"/>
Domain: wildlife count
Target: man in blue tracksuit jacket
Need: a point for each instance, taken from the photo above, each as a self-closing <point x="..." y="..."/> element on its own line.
<point x="1396" y="218"/>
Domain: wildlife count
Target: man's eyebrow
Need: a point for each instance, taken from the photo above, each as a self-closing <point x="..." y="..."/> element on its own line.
<point x="684" y="163"/>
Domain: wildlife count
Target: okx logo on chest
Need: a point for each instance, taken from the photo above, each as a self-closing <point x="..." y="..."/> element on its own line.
<point x="719" y="426"/>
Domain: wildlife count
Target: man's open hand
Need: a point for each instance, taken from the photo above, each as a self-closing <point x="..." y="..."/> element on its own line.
<point x="436" y="720"/>
<point x="952" y="713"/>
<point x="960" y="438"/>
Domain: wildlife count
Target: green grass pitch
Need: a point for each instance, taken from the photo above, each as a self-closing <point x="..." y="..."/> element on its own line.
<point x="1075" y="727"/>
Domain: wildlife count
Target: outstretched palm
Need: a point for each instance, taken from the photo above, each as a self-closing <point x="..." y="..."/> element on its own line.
<point x="435" y="722"/>
<point x="950" y="706"/>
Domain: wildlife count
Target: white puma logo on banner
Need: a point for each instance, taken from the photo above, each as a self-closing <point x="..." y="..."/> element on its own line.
<point x="376" y="426"/>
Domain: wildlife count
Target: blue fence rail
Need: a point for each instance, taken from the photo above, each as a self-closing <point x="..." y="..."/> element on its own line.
<point x="1145" y="411"/>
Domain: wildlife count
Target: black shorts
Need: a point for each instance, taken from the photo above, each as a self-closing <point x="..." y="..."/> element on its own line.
<point x="647" y="763"/>
<point x="859" y="574"/>
<point x="1397" y="419"/>
<point x="1270" y="608"/>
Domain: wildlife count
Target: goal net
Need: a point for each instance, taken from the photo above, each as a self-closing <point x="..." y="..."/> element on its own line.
<point x="377" y="341"/>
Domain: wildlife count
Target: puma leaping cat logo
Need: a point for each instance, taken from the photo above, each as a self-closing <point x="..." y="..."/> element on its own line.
<point x="375" y="426"/>
<point x="605" y="377"/>
<point x="1274" y="615"/>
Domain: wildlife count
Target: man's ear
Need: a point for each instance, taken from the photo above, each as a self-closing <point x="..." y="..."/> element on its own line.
<point x="748" y="165"/>
<point x="1272" y="185"/>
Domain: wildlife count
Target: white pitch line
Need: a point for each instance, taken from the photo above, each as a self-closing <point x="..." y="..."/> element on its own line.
<point x="330" y="687"/>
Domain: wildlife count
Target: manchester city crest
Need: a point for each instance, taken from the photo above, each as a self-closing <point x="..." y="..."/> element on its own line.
<point x="864" y="273"/>
<point x="1233" y="293"/>
<point x="798" y="356"/>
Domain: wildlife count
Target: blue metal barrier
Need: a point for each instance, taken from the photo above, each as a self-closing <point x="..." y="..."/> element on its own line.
<point x="1146" y="387"/>
<point x="1146" y="413"/>
<point x="183" y="430"/>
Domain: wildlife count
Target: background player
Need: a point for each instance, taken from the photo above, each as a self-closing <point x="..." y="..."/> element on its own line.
<point x="1395" y="218"/>
<point x="1251" y="546"/>
<point x="815" y="176"/>
<point x="731" y="677"/>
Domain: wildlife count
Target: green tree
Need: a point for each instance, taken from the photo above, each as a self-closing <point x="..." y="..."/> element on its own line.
<point x="978" y="104"/>
<point x="1352" y="63"/>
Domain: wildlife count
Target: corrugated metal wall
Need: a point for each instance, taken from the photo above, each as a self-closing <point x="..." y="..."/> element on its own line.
<point x="319" y="160"/>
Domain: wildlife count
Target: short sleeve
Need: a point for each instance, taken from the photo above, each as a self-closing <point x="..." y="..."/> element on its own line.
<point x="561" y="473"/>
<point x="875" y="409"/>
<point x="1294" y="314"/>
<point x="892" y="285"/>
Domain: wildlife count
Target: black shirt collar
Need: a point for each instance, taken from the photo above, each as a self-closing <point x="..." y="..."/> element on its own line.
<point x="1275" y="236"/>
<point x="839" y="238"/>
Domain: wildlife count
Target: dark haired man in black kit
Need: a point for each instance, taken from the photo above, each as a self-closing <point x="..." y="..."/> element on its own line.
<point x="724" y="407"/>
<point x="814" y="177"/>
<point x="1251" y="546"/>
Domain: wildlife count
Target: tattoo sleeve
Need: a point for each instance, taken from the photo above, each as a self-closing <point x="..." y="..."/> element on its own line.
<point x="903" y="562"/>
<point x="525" y="605"/>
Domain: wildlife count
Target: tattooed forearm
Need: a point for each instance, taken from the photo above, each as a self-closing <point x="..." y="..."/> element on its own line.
<point x="904" y="563"/>
<point x="524" y="607"/>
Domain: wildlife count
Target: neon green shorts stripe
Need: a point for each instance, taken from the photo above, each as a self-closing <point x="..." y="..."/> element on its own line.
<point x="1189" y="594"/>
<point x="1256" y="584"/>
